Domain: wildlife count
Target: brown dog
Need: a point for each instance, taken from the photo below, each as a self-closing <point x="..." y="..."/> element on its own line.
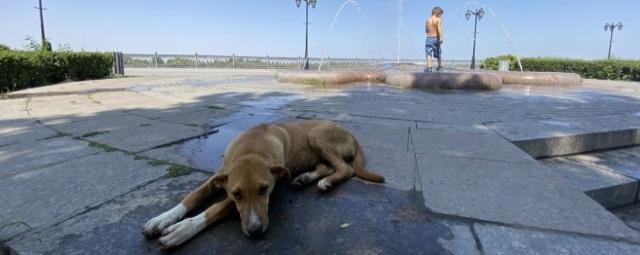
<point x="253" y="162"/>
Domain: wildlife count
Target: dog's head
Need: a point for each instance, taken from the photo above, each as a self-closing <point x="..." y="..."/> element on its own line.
<point x="249" y="183"/>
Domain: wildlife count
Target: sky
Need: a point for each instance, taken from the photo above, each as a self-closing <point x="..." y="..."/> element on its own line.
<point x="364" y="29"/>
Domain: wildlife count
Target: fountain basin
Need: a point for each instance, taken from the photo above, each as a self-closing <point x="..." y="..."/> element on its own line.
<point x="319" y="78"/>
<point x="446" y="80"/>
<point x="438" y="80"/>
<point x="540" y="78"/>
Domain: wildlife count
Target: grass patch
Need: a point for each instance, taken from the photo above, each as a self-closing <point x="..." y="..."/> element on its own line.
<point x="95" y="133"/>
<point x="104" y="147"/>
<point x="144" y="125"/>
<point x="313" y="82"/>
<point x="177" y="170"/>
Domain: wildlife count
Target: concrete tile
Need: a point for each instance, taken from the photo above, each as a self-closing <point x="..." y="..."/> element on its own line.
<point x="200" y="118"/>
<point x="526" y="194"/>
<point x="379" y="136"/>
<point x="454" y="143"/>
<point x="26" y="156"/>
<point x="606" y="187"/>
<point x="506" y="240"/>
<point x="630" y="215"/>
<point x="398" y="167"/>
<point x="131" y="133"/>
<point x="22" y="130"/>
<point x="301" y="222"/>
<point x="557" y="137"/>
<point x="51" y="194"/>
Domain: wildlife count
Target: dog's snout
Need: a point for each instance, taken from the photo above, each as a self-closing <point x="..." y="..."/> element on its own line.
<point x="254" y="230"/>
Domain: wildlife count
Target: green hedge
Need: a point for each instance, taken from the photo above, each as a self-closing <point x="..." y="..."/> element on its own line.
<point x="26" y="69"/>
<point x="615" y="69"/>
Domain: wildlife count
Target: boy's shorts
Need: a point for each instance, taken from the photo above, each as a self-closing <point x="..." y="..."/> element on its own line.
<point x="432" y="47"/>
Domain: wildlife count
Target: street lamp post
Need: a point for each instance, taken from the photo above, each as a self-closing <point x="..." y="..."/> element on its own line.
<point x="306" y="40"/>
<point x="611" y="27"/>
<point x="478" y="13"/>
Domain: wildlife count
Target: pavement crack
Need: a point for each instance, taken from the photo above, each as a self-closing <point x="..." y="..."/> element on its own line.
<point x="476" y="238"/>
<point x="471" y="221"/>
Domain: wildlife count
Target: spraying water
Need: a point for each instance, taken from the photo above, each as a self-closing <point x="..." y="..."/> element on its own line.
<point x="399" y="36"/>
<point x="504" y="29"/>
<point x="332" y="28"/>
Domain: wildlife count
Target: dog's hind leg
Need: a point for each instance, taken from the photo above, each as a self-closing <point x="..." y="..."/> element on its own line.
<point x="333" y="144"/>
<point x="304" y="179"/>
<point x="157" y="224"/>
<point x="184" y="230"/>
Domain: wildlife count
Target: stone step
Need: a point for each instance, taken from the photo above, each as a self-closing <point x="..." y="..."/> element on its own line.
<point x="609" y="177"/>
<point x="559" y="137"/>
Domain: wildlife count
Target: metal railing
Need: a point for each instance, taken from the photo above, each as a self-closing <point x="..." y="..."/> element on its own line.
<point x="270" y="62"/>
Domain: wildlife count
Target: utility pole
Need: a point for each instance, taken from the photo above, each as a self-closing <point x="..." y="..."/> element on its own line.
<point x="44" y="39"/>
<point x="478" y="15"/>
<point x="611" y="27"/>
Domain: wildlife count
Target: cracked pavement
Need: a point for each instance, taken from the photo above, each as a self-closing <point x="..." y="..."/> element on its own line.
<point x="84" y="165"/>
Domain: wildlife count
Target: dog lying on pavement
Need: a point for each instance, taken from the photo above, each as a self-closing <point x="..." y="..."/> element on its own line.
<point x="253" y="163"/>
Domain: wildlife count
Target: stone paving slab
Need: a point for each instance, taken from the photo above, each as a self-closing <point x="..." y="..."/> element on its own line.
<point x="27" y="156"/>
<point x="624" y="161"/>
<point x="606" y="187"/>
<point x="200" y="118"/>
<point x="22" y="130"/>
<point x="48" y="195"/>
<point x="506" y="240"/>
<point x="397" y="166"/>
<point x="476" y="145"/>
<point x="379" y="136"/>
<point x="301" y="222"/>
<point x="546" y="138"/>
<point x="630" y="215"/>
<point x="130" y="133"/>
<point x="469" y="128"/>
<point x="526" y="194"/>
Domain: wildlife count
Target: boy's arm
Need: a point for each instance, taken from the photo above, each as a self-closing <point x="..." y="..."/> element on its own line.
<point x="426" y="27"/>
<point x="440" y="33"/>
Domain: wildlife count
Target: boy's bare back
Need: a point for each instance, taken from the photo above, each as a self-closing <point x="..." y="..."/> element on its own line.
<point x="432" y="28"/>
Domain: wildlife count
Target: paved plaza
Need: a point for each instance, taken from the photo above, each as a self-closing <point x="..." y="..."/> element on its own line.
<point x="521" y="170"/>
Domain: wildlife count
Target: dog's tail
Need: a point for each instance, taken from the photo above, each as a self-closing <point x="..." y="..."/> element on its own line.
<point x="358" y="166"/>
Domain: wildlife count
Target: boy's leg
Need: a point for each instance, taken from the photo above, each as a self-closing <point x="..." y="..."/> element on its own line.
<point x="439" y="52"/>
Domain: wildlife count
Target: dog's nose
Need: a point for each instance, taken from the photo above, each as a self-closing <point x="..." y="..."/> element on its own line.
<point x="254" y="230"/>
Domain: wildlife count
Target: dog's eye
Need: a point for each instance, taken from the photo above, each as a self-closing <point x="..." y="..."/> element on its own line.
<point x="263" y="190"/>
<point x="237" y="195"/>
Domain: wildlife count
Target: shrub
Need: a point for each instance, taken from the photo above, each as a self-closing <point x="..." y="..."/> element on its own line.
<point x="25" y="69"/>
<point x="616" y="69"/>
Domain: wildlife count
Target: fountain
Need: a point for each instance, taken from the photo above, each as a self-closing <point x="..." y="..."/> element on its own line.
<point x="332" y="28"/>
<point x="471" y="80"/>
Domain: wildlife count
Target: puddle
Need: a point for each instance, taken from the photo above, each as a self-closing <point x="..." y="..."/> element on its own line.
<point x="206" y="152"/>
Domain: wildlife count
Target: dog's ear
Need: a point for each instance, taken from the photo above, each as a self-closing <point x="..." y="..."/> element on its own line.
<point x="219" y="180"/>
<point x="281" y="172"/>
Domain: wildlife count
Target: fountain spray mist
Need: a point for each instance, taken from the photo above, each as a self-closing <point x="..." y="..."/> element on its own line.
<point x="332" y="28"/>
<point x="399" y="36"/>
<point x="504" y="29"/>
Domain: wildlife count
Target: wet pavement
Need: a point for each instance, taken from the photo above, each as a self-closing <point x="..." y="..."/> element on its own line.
<point x="122" y="151"/>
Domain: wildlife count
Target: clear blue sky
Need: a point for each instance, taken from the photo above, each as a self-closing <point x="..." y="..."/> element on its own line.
<point x="569" y="28"/>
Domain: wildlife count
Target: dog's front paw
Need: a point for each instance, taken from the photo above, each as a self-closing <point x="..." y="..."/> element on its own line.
<point x="324" y="185"/>
<point x="157" y="224"/>
<point x="302" y="180"/>
<point x="182" y="231"/>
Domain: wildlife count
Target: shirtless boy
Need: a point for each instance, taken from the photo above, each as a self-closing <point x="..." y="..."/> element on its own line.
<point x="435" y="38"/>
